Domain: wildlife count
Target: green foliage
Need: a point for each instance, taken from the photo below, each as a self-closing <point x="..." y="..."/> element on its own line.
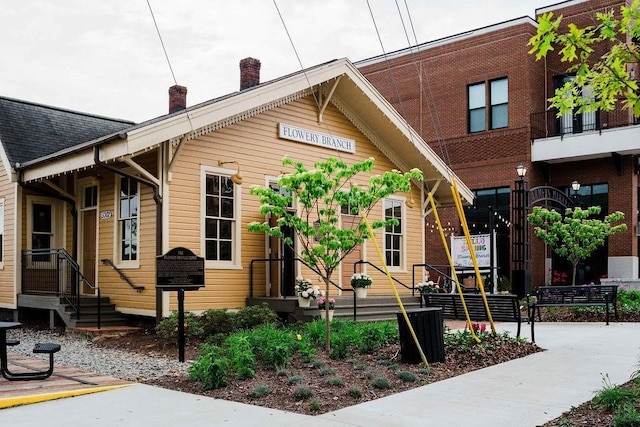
<point x="627" y="416"/>
<point x="273" y="345"/>
<point x="612" y="397"/>
<point x="326" y="371"/>
<point x="211" y="368"/>
<point x="320" y="193"/>
<point x="239" y="352"/>
<point x="335" y="382"/>
<point x="629" y="299"/>
<point x="217" y="321"/>
<point x="318" y="363"/>
<point x="355" y="393"/>
<point x="381" y="383"/>
<point x="314" y="406"/>
<point x="168" y="327"/>
<point x="255" y="315"/>
<point x="576" y="235"/>
<point x="303" y="393"/>
<point x="606" y="75"/>
<point x="425" y="371"/>
<point x="295" y="379"/>
<point x="406" y="376"/>
<point x="259" y="390"/>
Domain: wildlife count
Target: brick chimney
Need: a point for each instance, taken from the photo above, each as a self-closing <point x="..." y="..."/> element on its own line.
<point x="249" y="73"/>
<point x="177" y="98"/>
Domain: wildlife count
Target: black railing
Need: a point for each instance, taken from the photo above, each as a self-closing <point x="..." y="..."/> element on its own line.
<point x="546" y="124"/>
<point x="55" y="272"/>
<point x="123" y="277"/>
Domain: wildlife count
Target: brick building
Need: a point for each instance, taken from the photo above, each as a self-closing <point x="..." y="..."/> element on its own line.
<point x="480" y="100"/>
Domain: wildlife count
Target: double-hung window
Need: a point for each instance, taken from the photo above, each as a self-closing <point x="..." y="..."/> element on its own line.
<point x="496" y="95"/>
<point x="220" y="220"/>
<point x="394" y="234"/>
<point x="128" y="220"/>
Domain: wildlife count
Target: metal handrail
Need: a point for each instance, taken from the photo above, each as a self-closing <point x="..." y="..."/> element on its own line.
<point x="123" y="277"/>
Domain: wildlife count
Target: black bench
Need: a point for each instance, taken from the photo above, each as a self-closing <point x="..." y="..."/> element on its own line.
<point x="504" y="308"/>
<point x="572" y="296"/>
<point x="40" y="348"/>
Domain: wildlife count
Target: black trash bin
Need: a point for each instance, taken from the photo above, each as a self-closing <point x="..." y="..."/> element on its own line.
<point x="429" y="329"/>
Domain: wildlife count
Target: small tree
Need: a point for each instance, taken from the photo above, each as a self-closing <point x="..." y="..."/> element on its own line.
<point x="321" y="192"/>
<point x="577" y="235"/>
<point x="606" y="76"/>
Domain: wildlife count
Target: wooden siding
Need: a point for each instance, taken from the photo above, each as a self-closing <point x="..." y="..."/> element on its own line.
<point x="254" y="143"/>
<point x="8" y="285"/>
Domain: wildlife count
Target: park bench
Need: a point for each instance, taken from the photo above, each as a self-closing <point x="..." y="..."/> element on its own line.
<point x="504" y="308"/>
<point x="572" y="296"/>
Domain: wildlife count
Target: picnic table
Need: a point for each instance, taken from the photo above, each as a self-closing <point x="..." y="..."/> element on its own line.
<point x="46" y="348"/>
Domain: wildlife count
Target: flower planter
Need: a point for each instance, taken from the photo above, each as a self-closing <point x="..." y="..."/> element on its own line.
<point x="361" y="293"/>
<point x="304" y="302"/>
<point x="323" y="315"/>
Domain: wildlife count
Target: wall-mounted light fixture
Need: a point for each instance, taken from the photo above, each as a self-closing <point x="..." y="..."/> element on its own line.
<point x="236" y="178"/>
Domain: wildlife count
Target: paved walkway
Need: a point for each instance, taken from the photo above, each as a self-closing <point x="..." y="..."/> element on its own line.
<point x="523" y="392"/>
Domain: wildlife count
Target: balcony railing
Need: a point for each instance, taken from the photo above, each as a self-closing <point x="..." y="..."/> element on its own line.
<point x="546" y="124"/>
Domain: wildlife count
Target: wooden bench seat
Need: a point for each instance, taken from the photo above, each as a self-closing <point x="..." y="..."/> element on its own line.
<point x="504" y="308"/>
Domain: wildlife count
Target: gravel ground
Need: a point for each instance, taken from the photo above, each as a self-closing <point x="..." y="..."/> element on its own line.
<point x="81" y="352"/>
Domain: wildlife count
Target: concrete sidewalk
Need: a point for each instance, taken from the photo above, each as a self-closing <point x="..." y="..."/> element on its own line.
<point x="523" y="392"/>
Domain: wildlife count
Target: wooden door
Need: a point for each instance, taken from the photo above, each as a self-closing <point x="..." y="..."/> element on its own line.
<point x="89" y="257"/>
<point x="350" y="221"/>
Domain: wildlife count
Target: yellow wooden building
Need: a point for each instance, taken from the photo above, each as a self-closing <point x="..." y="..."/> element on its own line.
<point x="114" y="195"/>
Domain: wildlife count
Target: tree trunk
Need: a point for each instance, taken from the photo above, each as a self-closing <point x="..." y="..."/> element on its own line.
<point x="326" y="317"/>
<point x="575" y="268"/>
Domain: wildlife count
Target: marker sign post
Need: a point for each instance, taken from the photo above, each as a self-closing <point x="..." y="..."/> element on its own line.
<point x="180" y="270"/>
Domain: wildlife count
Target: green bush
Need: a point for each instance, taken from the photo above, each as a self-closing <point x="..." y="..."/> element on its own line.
<point x="295" y="379"/>
<point x="335" y="382"/>
<point x="303" y="393"/>
<point x="273" y="345"/>
<point x="314" y="406"/>
<point x="241" y="356"/>
<point x="381" y="383"/>
<point x="355" y="392"/>
<point x="211" y="368"/>
<point x="168" y="327"/>
<point x="259" y="390"/>
<point x="406" y="376"/>
<point x="218" y="321"/>
<point x="612" y="397"/>
<point x="255" y="315"/>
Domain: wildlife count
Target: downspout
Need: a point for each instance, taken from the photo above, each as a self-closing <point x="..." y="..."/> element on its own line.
<point x="157" y="198"/>
<point x="72" y="203"/>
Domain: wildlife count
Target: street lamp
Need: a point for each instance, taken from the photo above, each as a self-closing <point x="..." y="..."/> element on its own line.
<point x="521" y="170"/>
<point x="575" y="186"/>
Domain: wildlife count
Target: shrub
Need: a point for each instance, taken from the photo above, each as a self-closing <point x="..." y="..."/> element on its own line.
<point x="406" y="376"/>
<point x="303" y="393"/>
<point x="355" y="392"/>
<point x="218" y="321"/>
<point x="240" y="355"/>
<point x="627" y="416"/>
<point x="255" y="315"/>
<point x="295" y="379"/>
<point x="335" y="382"/>
<point x="274" y="346"/>
<point x="211" y="368"/>
<point x="318" y="363"/>
<point x="168" y="327"/>
<point x="381" y="383"/>
<point x="259" y="390"/>
<point x="326" y="371"/>
<point x="314" y="406"/>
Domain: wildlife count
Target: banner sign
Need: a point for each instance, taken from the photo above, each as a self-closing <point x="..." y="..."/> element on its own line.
<point x="460" y="250"/>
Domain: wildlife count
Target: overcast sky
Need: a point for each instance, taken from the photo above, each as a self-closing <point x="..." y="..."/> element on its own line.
<point x="105" y="57"/>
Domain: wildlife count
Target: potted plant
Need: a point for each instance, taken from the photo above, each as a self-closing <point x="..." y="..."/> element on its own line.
<point x="360" y="283"/>
<point x="306" y="291"/>
<point x="428" y="287"/>
<point x="322" y="306"/>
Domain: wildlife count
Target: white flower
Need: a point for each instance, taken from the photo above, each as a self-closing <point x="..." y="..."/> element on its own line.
<point x="305" y="294"/>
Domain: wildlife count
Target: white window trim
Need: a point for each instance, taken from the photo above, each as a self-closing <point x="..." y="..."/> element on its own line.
<point x="127" y="264"/>
<point x="236" y="263"/>
<point x="58" y="220"/>
<point x="402" y="268"/>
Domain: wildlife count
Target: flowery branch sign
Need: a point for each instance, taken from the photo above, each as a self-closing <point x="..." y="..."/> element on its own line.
<point x="481" y="245"/>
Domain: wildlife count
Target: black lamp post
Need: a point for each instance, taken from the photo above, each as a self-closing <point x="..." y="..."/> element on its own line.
<point x="575" y="186"/>
<point x="521" y="274"/>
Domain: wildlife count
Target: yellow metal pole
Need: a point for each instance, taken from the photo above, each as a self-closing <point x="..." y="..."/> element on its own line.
<point x="472" y="252"/>
<point x="393" y="286"/>
<point x="451" y="264"/>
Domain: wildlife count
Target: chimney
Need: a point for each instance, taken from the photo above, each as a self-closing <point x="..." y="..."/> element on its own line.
<point x="177" y="98"/>
<point x="249" y="73"/>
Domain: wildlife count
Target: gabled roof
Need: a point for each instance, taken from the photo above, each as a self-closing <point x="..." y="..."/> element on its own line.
<point x="339" y="80"/>
<point x="30" y="131"/>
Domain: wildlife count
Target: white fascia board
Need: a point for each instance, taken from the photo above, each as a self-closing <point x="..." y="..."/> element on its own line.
<point x="6" y="164"/>
<point x="61" y="166"/>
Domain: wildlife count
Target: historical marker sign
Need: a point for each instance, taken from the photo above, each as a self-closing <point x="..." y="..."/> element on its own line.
<point x="179" y="269"/>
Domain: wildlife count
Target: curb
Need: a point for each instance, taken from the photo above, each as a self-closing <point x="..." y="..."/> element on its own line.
<point x="27" y="400"/>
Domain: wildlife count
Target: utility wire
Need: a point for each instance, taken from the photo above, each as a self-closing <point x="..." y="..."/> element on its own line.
<point x="162" y="42"/>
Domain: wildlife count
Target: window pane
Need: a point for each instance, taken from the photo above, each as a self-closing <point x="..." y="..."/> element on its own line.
<point x="219" y="221"/>
<point x="499" y="92"/>
<point x="225" y="230"/>
<point x="476" y="96"/>
<point x="477" y="120"/>
<point x="211" y="249"/>
<point x="227" y="208"/>
<point x="499" y="116"/>
<point x="41" y="218"/>
<point x="227" y="187"/>
<point x="124" y="208"/>
<point x="211" y="226"/>
<point x="225" y="251"/>
<point x="213" y="206"/>
<point x="41" y="241"/>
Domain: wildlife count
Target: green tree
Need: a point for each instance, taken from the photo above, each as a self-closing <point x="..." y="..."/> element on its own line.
<point x="607" y="76"/>
<point x="576" y="235"/>
<point x="320" y="193"/>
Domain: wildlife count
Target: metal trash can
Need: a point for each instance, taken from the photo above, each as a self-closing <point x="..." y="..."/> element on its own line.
<point x="428" y="326"/>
